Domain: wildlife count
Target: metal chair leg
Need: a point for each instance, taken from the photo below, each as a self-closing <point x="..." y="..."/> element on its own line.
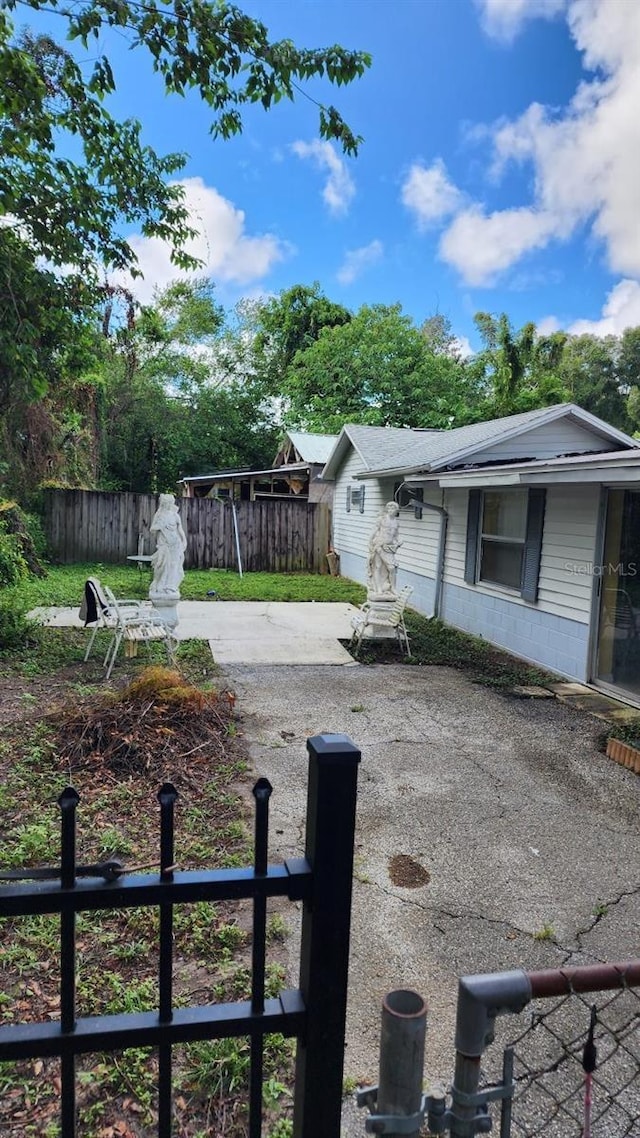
<point x="90" y="644"/>
<point x="116" y="644"/>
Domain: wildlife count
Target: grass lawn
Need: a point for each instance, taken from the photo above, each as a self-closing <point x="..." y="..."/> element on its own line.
<point x="64" y="585"/>
<point x="432" y="641"/>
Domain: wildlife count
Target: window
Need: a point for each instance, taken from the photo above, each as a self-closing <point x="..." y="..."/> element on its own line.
<point x="355" y="498"/>
<point x="504" y="539"/>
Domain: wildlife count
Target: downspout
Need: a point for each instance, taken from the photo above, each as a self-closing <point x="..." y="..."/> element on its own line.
<point x="442" y="542"/>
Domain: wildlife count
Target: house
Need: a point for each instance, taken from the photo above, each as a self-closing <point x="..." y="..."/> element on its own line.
<point x="295" y="473"/>
<point x="523" y="530"/>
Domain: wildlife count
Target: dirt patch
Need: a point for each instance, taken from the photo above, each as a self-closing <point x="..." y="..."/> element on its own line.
<point x="407" y="872"/>
<point x="23" y="700"/>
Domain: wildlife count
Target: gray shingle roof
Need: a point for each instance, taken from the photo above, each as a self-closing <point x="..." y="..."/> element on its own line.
<point x="403" y="449"/>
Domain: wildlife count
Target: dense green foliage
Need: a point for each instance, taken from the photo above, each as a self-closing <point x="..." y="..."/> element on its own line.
<point x="73" y="179"/>
<point x="136" y="397"/>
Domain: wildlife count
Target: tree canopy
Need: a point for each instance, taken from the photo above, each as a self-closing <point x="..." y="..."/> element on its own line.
<point x="71" y="210"/>
<point x="378" y="369"/>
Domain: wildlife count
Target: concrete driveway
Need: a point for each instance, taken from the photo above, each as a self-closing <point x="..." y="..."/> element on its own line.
<point x="519" y="821"/>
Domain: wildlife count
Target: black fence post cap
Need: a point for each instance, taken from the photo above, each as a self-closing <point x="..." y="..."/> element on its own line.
<point x="262" y="789"/>
<point x="334" y="748"/>
<point x="69" y="798"/>
<point x="167" y="793"/>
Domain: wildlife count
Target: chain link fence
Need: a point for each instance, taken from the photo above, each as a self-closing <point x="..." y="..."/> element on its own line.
<point x="551" y="1084"/>
<point x="553" y="1054"/>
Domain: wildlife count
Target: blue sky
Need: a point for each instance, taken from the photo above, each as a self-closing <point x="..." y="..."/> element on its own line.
<point x="500" y="169"/>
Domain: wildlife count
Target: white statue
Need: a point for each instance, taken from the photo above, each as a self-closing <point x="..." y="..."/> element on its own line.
<point x="168" y="560"/>
<point x="383" y="544"/>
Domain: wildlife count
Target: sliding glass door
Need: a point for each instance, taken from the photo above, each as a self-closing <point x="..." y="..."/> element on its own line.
<point x="618" y="656"/>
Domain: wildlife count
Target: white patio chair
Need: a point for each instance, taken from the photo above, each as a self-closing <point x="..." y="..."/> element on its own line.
<point x="383" y="616"/>
<point x="127" y="618"/>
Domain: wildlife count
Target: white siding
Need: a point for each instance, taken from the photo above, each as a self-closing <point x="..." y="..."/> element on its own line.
<point x="568" y="546"/>
<point x="455" y="503"/>
<point x="352" y="530"/>
<point x="419" y="536"/>
<point x="550" y="441"/>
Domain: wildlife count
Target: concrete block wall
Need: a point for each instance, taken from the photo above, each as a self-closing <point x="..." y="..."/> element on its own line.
<point x="540" y="637"/>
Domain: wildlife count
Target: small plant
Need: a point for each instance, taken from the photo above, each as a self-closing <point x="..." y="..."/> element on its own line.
<point x="13" y="566"/>
<point x="277" y="928"/>
<point x="34" y="842"/>
<point x="357" y="707"/>
<point x="600" y="909"/>
<point x="282" y="1129"/>
<point x="349" y="1085"/>
<point x="547" y="932"/>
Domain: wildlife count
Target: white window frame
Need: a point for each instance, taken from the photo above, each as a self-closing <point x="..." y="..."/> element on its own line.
<point x="497" y="540"/>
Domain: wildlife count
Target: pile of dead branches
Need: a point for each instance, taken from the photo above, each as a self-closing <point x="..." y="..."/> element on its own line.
<point x="159" y="722"/>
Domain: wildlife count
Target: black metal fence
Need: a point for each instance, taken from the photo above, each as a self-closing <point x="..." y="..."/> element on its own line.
<point x="314" y="1012"/>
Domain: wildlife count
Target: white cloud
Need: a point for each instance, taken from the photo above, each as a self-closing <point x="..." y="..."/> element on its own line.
<point x="357" y="261"/>
<point x="228" y="253"/>
<point x="429" y="193"/>
<point x="585" y="159"/>
<point x="504" y="18"/>
<point x="481" y="245"/>
<point x="339" y="189"/>
<point x="620" y="310"/>
<point x="548" y="325"/>
<point x="462" y="347"/>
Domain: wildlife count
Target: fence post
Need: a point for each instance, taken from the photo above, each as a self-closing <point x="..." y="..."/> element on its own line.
<point x="402" y="1037"/>
<point x="324" y="954"/>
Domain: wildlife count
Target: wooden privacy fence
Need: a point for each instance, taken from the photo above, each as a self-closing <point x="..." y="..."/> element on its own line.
<point x="280" y="536"/>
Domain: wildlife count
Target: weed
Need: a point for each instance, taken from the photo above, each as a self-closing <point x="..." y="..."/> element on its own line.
<point x="359" y="871"/>
<point x="34" y="842"/>
<point x="219" y="1066"/>
<point x="600" y="909"/>
<point x="358" y="707"/>
<point x="433" y="642"/>
<point x="349" y="1085"/>
<point x="282" y="1129"/>
<point x="547" y="932"/>
<point x="277" y="928"/>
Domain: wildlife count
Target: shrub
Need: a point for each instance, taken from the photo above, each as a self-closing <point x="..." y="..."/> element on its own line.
<point x="13" y="566"/>
<point x="15" y="628"/>
<point x="36" y="532"/>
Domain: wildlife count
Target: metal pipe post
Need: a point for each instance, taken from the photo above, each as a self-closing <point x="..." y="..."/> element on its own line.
<point x="402" y="1035"/>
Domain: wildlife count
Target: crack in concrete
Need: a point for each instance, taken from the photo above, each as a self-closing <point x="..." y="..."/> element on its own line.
<point x="439" y="911"/>
<point x="604" y="908"/>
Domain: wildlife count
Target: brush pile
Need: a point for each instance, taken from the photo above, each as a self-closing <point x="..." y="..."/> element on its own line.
<point x="158" y="723"/>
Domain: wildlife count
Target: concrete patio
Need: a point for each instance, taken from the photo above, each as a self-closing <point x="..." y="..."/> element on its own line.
<point x="253" y="632"/>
